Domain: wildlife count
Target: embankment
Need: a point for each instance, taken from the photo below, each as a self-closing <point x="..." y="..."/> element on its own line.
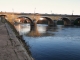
<point x="20" y="47"/>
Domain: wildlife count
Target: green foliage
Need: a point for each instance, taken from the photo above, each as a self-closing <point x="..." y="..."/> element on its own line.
<point x="60" y="22"/>
<point x="42" y="22"/>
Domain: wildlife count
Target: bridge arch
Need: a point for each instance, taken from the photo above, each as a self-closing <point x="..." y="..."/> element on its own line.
<point x="77" y="21"/>
<point x="46" y="20"/>
<point x="24" y="19"/>
<point x="27" y="19"/>
<point x="66" y="21"/>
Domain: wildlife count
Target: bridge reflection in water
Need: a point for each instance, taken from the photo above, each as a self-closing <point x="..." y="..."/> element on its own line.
<point x="35" y="31"/>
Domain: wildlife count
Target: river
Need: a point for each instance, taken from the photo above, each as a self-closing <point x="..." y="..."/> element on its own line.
<point x="52" y="43"/>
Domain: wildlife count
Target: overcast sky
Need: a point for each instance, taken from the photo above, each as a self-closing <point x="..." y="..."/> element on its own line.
<point x="41" y="6"/>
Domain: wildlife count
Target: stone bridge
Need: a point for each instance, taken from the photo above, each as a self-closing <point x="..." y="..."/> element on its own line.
<point x="51" y="18"/>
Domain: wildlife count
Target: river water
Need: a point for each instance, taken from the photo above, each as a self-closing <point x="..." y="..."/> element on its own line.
<point x="52" y="43"/>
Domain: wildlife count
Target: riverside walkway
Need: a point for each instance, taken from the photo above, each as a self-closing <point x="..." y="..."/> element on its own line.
<point x="10" y="47"/>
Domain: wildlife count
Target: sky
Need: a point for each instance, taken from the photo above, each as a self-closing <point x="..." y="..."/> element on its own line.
<point x="41" y="6"/>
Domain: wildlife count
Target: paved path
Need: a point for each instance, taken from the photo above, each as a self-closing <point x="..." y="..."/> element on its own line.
<point x="10" y="46"/>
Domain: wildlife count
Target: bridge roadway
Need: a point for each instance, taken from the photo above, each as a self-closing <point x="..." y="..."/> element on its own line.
<point x="10" y="47"/>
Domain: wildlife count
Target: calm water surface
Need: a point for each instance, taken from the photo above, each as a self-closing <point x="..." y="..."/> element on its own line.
<point x="46" y="43"/>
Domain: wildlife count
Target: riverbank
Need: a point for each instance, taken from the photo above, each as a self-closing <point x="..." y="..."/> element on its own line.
<point x="11" y="48"/>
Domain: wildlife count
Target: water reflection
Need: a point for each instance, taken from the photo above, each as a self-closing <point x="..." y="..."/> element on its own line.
<point x="22" y="28"/>
<point x="35" y="31"/>
<point x="56" y="43"/>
